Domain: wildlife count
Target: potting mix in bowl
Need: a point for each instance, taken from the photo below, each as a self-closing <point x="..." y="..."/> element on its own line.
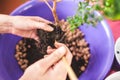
<point x="91" y="47"/>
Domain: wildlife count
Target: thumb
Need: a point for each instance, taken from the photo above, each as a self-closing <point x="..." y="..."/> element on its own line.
<point x="53" y="58"/>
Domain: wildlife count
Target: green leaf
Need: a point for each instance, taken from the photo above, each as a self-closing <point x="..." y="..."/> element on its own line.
<point x="84" y="14"/>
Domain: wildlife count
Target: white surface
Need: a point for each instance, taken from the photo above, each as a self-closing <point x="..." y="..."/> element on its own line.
<point x="117" y="50"/>
<point x="114" y="76"/>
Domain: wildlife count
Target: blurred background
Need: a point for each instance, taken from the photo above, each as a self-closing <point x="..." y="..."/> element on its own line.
<point x="7" y="6"/>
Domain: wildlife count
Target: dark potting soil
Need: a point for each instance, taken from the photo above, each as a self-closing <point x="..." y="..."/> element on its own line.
<point x="29" y="51"/>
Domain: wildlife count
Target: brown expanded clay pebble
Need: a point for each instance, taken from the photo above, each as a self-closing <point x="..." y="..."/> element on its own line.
<point x="20" y="42"/>
<point x="25" y="61"/>
<point x="17" y="48"/>
<point x="72" y="48"/>
<point x="24" y="49"/>
<point x="20" y="63"/>
<point x="29" y="46"/>
<point x="79" y="55"/>
<point x="82" y="68"/>
<point x="85" y="57"/>
<point x="73" y="43"/>
<point x="24" y="55"/>
<point x="77" y="58"/>
<point x="24" y="66"/>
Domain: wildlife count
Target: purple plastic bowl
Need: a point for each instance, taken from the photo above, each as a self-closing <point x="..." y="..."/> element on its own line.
<point x="100" y="40"/>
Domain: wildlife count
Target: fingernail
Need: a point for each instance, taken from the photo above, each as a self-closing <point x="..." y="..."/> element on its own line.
<point x="56" y="44"/>
<point x="49" y="47"/>
<point x="37" y="39"/>
<point x="49" y="28"/>
<point x="62" y="50"/>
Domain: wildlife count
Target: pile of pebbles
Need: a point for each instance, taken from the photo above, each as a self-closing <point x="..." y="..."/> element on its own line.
<point x="28" y="50"/>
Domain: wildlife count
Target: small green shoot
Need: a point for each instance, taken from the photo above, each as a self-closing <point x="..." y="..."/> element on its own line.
<point x="85" y="14"/>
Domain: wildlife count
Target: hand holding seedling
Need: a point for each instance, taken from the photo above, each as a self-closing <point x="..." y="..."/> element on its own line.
<point x="24" y="26"/>
<point x="50" y="67"/>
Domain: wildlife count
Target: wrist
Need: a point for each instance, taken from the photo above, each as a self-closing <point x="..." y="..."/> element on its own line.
<point x="5" y="24"/>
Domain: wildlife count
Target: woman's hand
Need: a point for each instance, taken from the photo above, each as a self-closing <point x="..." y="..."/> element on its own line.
<point x="24" y="26"/>
<point x="51" y="67"/>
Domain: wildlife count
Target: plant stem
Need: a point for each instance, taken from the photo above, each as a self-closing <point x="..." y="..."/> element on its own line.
<point x="48" y="4"/>
<point x="53" y="9"/>
<point x="54" y="12"/>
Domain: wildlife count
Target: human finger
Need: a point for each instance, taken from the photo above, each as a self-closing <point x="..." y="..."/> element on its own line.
<point x="53" y="58"/>
<point x="50" y="50"/>
<point x="60" y="67"/>
<point x="46" y="56"/>
<point x="35" y="37"/>
<point x="68" y="53"/>
<point x="39" y="19"/>
<point x="57" y="44"/>
<point x="43" y="26"/>
<point x="23" y="23"/>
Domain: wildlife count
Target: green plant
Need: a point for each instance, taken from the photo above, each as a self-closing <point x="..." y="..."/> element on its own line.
<point x="84" y="14"/>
